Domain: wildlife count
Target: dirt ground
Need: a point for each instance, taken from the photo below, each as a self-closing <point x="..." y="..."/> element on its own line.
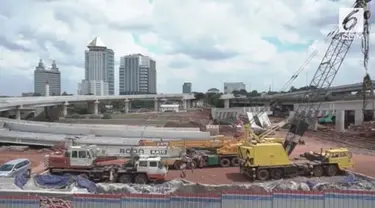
<point x="362" y="162"/>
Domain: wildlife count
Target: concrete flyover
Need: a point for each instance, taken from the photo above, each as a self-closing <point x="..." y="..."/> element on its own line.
<point x="338" y="108"/>
<point x="20" y="103"/>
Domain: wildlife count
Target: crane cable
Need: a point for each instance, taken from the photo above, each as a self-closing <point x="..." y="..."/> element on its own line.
<point x="367" y="86"/>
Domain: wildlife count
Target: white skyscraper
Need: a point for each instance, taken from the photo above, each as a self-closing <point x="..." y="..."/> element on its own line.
<point x="99" y="70"/>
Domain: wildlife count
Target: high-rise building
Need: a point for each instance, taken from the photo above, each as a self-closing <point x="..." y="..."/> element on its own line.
<point x="186" y="87"/>
<point x="229" y="87"/>
<point x="99" y="69"/>
<point x="93" y="87"/>
<point x="43" y="76"/>
<point x="137" y="75"/>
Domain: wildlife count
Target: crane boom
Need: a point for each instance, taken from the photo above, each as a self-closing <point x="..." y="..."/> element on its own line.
<point x="321" y="82"/>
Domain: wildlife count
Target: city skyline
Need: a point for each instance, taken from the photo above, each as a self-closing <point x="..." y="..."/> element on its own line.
<point x="209" y="48"/>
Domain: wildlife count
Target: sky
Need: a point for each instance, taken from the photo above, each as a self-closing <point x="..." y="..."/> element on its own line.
<point x="261" y="43"/>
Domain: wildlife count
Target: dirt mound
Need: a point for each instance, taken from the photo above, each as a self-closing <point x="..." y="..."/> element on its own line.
<point x="367" y="129"/>
<point x="189" y="124"/>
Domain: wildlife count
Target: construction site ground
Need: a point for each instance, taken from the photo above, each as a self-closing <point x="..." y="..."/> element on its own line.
<point x="362" y="156"/>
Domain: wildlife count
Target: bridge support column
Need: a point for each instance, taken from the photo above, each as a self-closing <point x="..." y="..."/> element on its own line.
<point x="18" y="113"/>
<point x="64" y="109"/>
<point x="126" y="107"/>
<point x="156" y="104"/>
<point x="340" y="120"/>
<point x="189" y="104"/>
<point x="358" y="117"/>
<point x="226" y="103"/>
<point x="93" y="107"/>
<point x="184" y="104"/>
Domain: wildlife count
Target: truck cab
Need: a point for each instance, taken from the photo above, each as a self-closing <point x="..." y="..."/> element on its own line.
<point x="153" y="166"/>
<point x="73" y="157"/>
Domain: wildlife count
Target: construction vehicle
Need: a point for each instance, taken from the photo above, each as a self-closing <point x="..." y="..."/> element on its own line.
<point x="84" y="160"/>
<point x="270" y="160"/>
<point x="266" y="161"/>
<point x="220" y="151"/>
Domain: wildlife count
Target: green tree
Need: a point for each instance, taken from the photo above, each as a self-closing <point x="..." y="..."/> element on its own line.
<point x="253" y="93"/>
<point x="199" y="95"/>
<point x="64" y="94"/>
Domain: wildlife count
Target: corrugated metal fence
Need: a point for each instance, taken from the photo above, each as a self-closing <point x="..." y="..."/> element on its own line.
<point x="287" y="199"/>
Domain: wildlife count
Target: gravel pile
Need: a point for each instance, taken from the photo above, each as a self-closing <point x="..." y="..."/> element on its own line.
<point x="350" y="182"/>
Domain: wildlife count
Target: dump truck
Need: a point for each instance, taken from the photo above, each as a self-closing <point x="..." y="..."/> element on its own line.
<point x="84" y="160"/>
<point x="266" y="161"/>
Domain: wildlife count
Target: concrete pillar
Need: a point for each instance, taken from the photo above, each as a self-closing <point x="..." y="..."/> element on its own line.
<point x="184" y="104"/>
<point x="18" y="113"/>
<point x="340" y="120"/>
<point x="64" y="109"/>
<point x="188" y="104"/>
<point x="358" y="117"/>
<point x="126" y="108"/>
<point x="156" y="104"/>
<point x="46" y="89"/>
<point x="226" y="103"/>
<point x="93" y="107"/>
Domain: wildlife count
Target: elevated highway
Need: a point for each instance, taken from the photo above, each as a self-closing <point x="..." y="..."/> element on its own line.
<point x="22" y="103"/>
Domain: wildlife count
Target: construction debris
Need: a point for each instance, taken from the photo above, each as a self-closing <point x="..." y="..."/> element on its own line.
<point x="367" y="129"/>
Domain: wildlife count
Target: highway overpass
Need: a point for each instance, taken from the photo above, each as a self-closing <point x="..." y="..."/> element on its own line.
<point x="333" y="94"/>
<point x="20" y="103"/>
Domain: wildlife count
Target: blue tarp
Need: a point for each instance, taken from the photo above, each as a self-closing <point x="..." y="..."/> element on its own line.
<point x="53" y="181"/>
<point x="349" y="179"/>
<point x="21" y="179"/>
<point x="83" y="182"/>
<point x="56" y="181"/>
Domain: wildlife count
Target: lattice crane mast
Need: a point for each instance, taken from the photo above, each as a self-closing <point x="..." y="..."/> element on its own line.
<point x="324" y="76"/>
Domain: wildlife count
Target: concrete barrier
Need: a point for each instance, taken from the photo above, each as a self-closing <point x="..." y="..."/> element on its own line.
<point x="101" y="131"/>
<point x="111" y="126"/>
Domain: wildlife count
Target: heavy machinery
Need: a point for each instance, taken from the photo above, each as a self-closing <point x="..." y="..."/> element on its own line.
<point x="270" y="160"/>
<point x="83" y="160"/>
<point x="220" y="151"/>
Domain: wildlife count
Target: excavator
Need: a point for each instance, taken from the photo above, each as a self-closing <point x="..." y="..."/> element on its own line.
<point x="263" y="161"/>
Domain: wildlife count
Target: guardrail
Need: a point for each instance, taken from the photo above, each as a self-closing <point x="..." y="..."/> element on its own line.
<point x="238" y="199"/>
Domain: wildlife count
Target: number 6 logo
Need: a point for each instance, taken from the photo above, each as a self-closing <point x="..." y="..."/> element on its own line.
<point x="350" y="18"/>
<point x="351" y="21"/>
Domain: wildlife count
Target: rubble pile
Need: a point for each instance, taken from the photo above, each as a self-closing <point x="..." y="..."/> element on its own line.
<point x="350" y="182"/>
<point x="367" y="129"/>
<point x="351" y="138"/>
<point x="197" y="118"/>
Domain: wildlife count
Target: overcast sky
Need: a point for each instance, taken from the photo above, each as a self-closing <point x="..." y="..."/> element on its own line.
<point x="206" y="42"/>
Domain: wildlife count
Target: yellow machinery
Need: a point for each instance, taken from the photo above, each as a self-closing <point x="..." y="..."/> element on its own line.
<point x="263" y="161"/>
<point x="219" y="150"/>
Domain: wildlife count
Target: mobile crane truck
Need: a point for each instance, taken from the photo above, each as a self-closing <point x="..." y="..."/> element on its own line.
<point x="83" y="160"/>
<point x="218" y="151"/>
<point x="262" y="161"/>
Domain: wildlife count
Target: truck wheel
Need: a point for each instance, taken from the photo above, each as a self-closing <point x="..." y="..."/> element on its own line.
<point x="141" y="179"/>
<point x="125" y="178"/>
<point x="235" y="161"/>
<point x="224" y="162"/>
<point x="331" y="170"/>
<point x="179" y="165"/>
<point x="317" y="171"/>
<point x="276" y="174"/>
<point x="263" y="174"/>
